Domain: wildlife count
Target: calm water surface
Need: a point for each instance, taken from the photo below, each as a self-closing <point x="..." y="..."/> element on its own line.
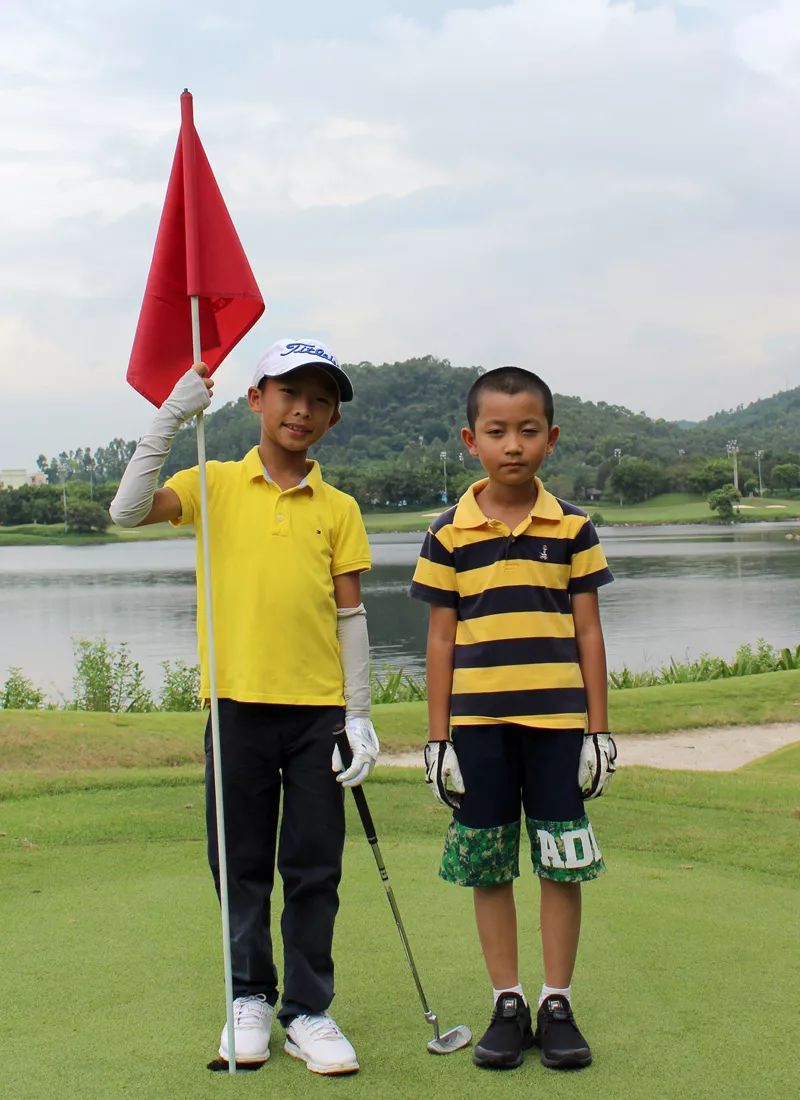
<point x="678" y="592"/>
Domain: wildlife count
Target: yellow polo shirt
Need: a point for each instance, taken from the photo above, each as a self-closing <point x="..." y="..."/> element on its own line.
<point x="274" y="554"/>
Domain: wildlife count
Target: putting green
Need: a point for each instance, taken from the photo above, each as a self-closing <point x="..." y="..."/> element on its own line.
<point x="687" y="984"/>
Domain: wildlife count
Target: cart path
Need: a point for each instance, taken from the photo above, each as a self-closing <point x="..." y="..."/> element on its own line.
<point x="720" y="749"/>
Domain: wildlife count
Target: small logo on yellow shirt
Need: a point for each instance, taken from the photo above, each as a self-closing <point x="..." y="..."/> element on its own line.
<point x="543" y="554"/>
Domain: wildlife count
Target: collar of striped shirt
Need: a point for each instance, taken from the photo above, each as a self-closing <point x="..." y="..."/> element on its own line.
<point x="468" y="512"/>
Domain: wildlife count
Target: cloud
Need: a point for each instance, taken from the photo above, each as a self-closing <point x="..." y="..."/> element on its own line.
<point x="611" y="190"/>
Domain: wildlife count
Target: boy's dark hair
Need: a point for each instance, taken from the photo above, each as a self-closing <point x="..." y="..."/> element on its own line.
<point x="508" y="380"/>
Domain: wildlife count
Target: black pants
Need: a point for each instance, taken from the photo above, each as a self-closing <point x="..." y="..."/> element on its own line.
<point x="267" y="749"/>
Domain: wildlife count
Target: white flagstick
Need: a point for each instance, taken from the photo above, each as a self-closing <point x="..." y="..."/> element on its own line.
<point x="212" y="683"/>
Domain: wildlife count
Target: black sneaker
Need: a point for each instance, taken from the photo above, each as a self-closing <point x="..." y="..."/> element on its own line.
<point x="558" y="1037"/>
<point x="507" y="1036"/>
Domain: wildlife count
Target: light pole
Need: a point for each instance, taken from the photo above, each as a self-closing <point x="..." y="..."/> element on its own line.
<point x="618" y="454"/>
<point x="758" y="456"/>
<point x="733" y="449"/>
<point x="63" y="470"/>
<point x="443" y="457"/>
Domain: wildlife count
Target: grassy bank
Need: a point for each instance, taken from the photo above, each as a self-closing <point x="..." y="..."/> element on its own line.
<point x="666" y="509"/>
<point x="67" y="748"/>
<point x="687" y="508"/>
<point x="108" y="907"/>
<point x="52" y="534"/>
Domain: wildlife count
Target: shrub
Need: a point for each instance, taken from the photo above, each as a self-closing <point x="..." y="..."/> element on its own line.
<point x="397" y="687"/>
<point x="723" y="501"/>
<point x="86" y="517"/>
<point x="180" y="687"/>
<point x="109" y="679"/>
<point x="18" y="693"/>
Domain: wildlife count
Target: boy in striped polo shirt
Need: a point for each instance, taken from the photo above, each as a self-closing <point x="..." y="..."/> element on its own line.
<point x="516" y="665"/>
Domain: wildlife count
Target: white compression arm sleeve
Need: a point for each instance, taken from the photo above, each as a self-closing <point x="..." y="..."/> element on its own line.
<point x="134" y="497"/>
<point x="351" y="629"/>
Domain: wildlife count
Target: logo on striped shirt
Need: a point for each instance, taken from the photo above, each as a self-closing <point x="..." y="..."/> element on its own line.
<point x="543" y="554"/>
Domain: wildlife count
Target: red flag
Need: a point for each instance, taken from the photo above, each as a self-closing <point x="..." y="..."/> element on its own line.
<point x="197" y="252"/>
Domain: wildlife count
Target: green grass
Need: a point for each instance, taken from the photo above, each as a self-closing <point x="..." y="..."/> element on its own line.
<point x="400" y="521"/>
<point x="666" y="508"/>
<point x="688" y="508"/>
<point x="52" y="534"/>
<point x="62" y="748"/>
<point x="687" y="983"/>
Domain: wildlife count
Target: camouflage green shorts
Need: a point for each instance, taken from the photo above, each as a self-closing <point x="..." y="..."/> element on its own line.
<point x="564" y="851"/>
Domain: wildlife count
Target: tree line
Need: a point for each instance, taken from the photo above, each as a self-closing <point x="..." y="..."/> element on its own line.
<point x="398" y="444"/>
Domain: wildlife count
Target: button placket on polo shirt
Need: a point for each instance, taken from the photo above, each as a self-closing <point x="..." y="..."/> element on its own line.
<point x="280" y="515"/>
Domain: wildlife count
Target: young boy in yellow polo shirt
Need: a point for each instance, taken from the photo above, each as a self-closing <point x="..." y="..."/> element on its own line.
<point x="287" y="551"/>
<point x="516" y="665"/>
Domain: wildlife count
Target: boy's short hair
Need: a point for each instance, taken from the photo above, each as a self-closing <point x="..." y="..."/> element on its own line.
<point x="509" y="380"/>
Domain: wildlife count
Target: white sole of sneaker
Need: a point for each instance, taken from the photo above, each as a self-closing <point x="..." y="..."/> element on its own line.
<point x="315" y="1067"/>
<point x="248" y="1060"/>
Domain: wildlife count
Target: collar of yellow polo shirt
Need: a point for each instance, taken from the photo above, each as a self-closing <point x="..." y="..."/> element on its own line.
<point x="468" y="512"/>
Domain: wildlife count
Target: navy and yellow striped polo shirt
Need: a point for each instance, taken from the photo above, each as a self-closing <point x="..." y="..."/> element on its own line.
<point x="515" y="657"/>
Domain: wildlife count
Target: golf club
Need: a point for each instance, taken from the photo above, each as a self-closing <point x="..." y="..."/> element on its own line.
<point x="459" y="1036"/>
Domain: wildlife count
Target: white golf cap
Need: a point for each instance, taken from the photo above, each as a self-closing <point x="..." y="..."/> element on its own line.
<point x="289" y="355"/>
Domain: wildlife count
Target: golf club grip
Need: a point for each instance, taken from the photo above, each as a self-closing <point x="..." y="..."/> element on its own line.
<point x="360" y="798"/>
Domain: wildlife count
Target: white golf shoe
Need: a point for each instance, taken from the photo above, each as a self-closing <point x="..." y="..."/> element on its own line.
<point x="252" y="1023"/>
<point x="319" y="1042"/>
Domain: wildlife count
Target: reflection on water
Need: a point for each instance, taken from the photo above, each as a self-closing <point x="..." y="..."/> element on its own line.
<point x="677" y="593"/>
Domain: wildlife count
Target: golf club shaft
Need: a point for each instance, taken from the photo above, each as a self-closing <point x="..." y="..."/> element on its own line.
<point x="369" y="829"/>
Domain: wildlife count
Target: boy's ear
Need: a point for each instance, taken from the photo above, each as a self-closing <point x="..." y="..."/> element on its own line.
<point x="336" y="416"/>
<point x="254" y="398"/>
<point x="552" y="438"/>
<point x="468" y="437"/>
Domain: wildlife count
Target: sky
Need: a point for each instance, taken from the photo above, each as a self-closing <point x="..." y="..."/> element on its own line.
<point x="606" y="191"/>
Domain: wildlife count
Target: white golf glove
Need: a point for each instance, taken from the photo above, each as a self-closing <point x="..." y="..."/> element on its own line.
<point x="364" y="746"/>
<point x="443" y="773"/>
<point x="597" y="764"/>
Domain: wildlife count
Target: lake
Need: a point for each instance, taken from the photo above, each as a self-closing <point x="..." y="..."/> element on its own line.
<point x="679" y="591"/>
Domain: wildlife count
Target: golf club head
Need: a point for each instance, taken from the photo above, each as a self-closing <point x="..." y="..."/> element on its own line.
<point x="450" y="1041"/>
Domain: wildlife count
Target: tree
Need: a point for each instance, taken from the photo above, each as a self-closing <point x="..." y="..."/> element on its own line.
<point x="636" y="479"/>
<point x="722" y="501"/>
<point x="785" y="476"/>
<point x="85" y="517"/>
<point x="709" y="475"/>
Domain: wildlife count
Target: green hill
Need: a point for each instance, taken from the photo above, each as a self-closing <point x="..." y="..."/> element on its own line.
<point x="387" y="447"/>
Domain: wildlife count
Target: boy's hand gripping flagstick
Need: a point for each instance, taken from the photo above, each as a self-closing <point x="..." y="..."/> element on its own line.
<point x="200" y="287"/>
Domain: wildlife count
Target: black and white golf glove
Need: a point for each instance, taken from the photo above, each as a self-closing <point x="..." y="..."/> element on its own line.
<point x="443" y="773"/>
<point x="597" y="764"/>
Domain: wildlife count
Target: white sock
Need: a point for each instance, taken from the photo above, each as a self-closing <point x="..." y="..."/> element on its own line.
<point x="507" y="989"/>
<point x="551" y="991"/>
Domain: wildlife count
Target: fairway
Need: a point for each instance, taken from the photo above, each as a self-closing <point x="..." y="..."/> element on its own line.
<point x="110" y="960"/>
